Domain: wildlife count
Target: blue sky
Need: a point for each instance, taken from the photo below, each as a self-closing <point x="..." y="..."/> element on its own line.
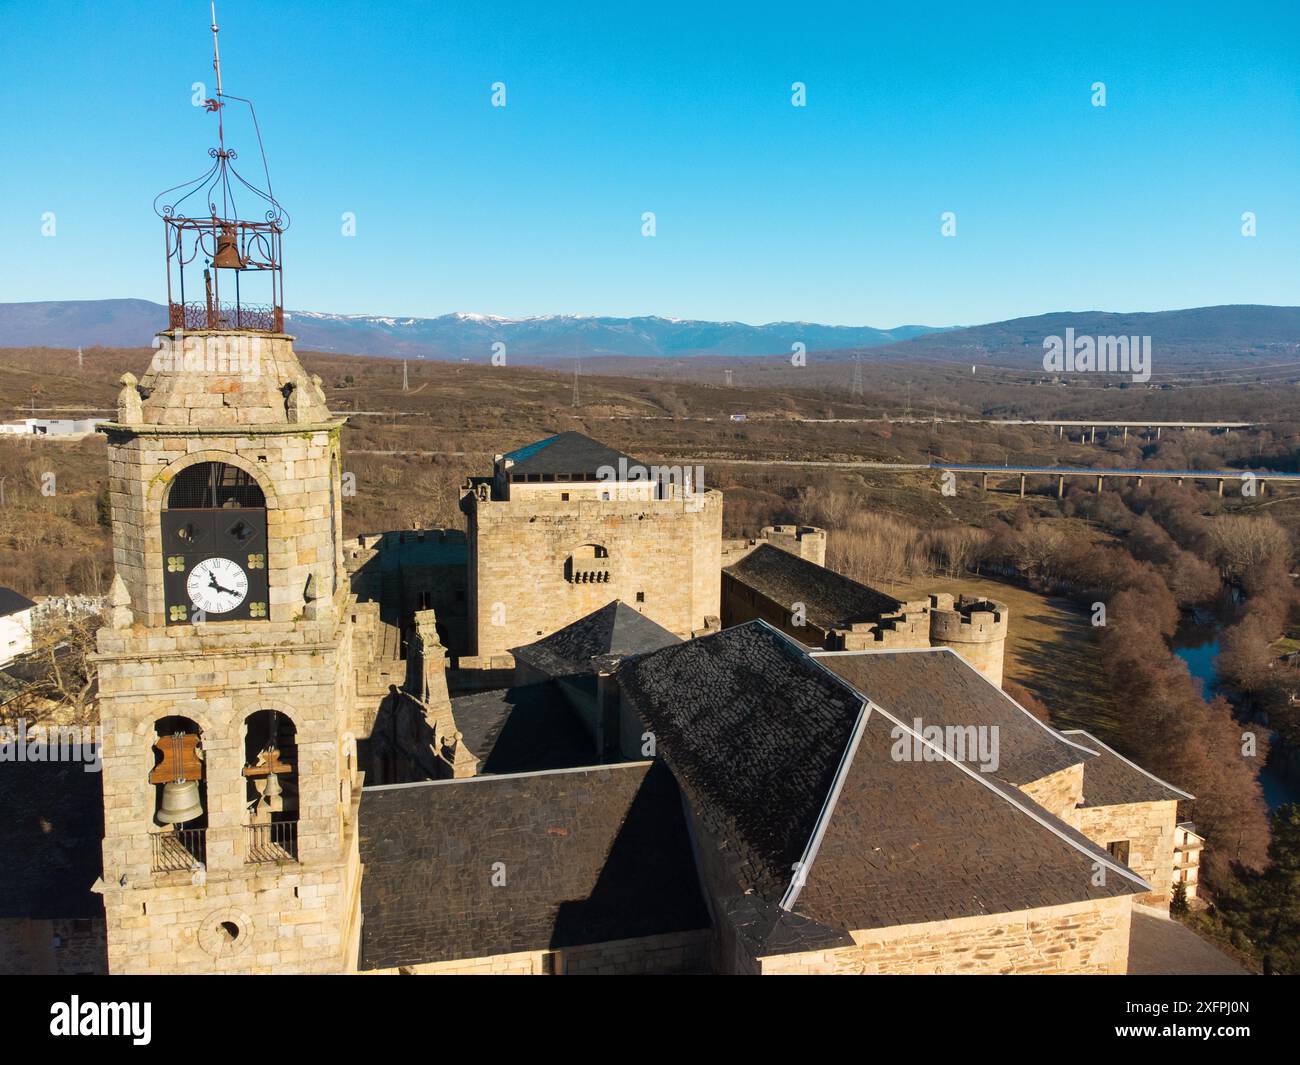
<point x="764" y="211"/>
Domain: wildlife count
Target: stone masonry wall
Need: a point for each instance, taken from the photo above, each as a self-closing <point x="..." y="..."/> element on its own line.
<point x="298" y="474"/>
<point x="665" y="551"/>
<point x="1086" y="937"/>
<point x="675" y="953"/>
<point x="290" y="916"/>
<point x="44" y="947"/>
<point x="1058" y="793"/>
<point x="1149" y="829"/>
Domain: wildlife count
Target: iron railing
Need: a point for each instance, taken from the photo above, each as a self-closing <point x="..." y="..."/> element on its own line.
<point x="276" y="842"/>
<point x="261" y="318"/>
<point x="180" y="850"/>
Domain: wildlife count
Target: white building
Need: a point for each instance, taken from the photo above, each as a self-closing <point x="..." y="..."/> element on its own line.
<point x="15" y="625"/>
<point x="64" y="427"/>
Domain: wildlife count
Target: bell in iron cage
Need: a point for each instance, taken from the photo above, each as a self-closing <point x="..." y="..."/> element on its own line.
<point x="228" y="257"/>
<point x="180" y="802"/>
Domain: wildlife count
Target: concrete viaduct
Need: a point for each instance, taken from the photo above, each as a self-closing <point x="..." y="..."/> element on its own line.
<point x="1253" y="482"/>
<point x="1088" y="428"/>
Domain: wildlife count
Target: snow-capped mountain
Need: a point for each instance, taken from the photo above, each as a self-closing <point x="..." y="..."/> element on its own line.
<point x="128" y="323"/>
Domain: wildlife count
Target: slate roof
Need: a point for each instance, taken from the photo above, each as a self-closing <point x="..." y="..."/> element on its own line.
<point x="590" y="855"/>
<point x="916" y="841"/>
<point x="939" y="688"/>
<point x="51" y="827"/>
<point x="1110" y="779"/>
<point x="522" y="729"/>
<point x="568" y="453"/>
<point x="754" y="733"/>
<point x="12" y="602"/>
<point x="785" y="762"/>
<point x="595" y="642"/>
<point x="830" y="599"/>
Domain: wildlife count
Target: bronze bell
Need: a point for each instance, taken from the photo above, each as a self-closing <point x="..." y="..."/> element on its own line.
<point x="180" y="802"/>
<point x="275" y="798"/>
<point x="228" y="257"/>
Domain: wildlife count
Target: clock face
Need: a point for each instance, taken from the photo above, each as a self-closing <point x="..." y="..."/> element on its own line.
<point x="217" y="585"/>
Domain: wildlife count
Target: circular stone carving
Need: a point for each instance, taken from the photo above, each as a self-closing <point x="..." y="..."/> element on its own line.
<point x="225" y="933"/>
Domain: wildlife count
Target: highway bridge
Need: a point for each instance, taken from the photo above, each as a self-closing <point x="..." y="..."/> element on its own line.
<point x="1251" y="482"/>
<point x="1089" y="427"/>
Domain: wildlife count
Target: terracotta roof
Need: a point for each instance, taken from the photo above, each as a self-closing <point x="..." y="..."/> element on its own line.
<point x="938" y="687"/>
<point x="830" y="599"/>
<point x="784" y="762"/>
<point x="1110" y="779"/>
<point x="589" y="856"/>
<point x="566" y="453"/>
<point x="595" y="642"/>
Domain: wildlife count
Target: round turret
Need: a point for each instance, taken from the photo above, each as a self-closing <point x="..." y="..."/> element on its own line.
<point x="974" y="627"/>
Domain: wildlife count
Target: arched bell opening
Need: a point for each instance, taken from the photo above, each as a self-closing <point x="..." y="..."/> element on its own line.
<point x="214" y="532"/>
<point x="180" y="807"/>
<point x="271" y="786"/>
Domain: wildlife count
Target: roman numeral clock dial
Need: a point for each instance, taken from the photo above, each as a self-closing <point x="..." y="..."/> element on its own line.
<point x="217" y="585"/>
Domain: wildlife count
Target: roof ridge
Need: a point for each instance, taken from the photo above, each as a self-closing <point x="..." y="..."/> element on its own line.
<point x="1134" y="765"/>
<point x="1013" y="801"/>
<point x="809" y="856"/>
<point x="511" y="776"/>
<point x="1056" y="734"/>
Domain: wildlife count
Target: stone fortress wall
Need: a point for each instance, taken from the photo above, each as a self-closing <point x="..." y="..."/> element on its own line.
<point x="538" y="562"/>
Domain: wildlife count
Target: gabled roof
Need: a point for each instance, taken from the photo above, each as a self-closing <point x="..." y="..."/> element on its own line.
<point x="566" y="453"/>
<point x="754" y="732"/>
<point x="789" y="767"/>
<point x="522" y="729"/>
<point x="1110" y="779"/>
<point x="588" y="855"/>
<point x="830" y="599"/>
<point x="937" y="687"/>
<point x="12" y="602"/>
<point x="595" y="642"/>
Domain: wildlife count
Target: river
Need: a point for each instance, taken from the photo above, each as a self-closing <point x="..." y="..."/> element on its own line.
<point x="1197" y="643"/>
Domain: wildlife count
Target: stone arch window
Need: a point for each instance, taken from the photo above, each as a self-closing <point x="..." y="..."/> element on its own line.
<point x="214" y="533"/>
<point x="213" y="485"/>
<point x="180" y="799"/>
<point x="271" y="786"/>
<point x="588" y="564"/>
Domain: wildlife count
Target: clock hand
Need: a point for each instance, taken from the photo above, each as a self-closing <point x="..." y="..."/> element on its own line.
<point x="212" y="581"/>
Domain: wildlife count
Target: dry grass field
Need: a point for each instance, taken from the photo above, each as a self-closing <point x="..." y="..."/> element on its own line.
<point x="1051" y="648"/>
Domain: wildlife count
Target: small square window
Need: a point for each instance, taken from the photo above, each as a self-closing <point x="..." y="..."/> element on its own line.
<point x="564" y="496"/>
<point x="1119" y="850"/>
<point x="640" y="597"/>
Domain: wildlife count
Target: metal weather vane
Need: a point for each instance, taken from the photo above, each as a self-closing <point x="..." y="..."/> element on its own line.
<point x="203" y="226"/>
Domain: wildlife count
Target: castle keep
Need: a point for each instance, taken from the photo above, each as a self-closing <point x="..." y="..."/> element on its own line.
<point x="564" y="526"/>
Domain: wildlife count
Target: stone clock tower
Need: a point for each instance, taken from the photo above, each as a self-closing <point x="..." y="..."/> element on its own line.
<point x="225" y="668"/>
<point x="229" y="625"/>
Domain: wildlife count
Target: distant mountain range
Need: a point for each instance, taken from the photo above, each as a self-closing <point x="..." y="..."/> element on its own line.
<point x="132" y="323"/>
<point x="1183" y="336"/>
